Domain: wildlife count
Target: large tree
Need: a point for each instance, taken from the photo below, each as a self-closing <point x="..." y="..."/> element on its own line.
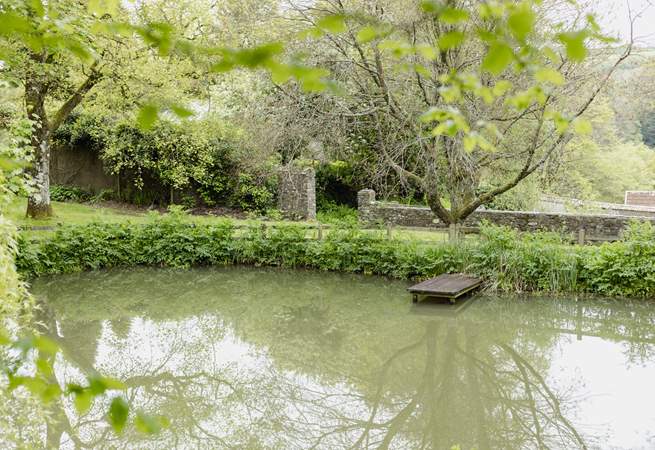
<point x="462" y="99"/>
<point x="57" y="63"/>
<point x="150" y="57"/>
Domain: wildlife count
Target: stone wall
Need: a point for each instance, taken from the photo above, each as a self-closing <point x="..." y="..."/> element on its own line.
<point x="296" y="195"/>
<point x="595" y="226"/>
<point x="640" y="198"/>
<point x="80" y="167"/>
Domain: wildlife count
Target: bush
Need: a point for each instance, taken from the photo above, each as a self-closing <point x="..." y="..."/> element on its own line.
<point x="626" y="267"/>
<point x="507" y="260"/>
<point x="251" y="196"/>
<point x="60" y="193"/>
<point x="337" y="214"/>
<point x="195" y="159"/>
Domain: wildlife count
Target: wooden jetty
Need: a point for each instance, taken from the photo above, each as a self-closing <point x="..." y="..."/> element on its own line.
<point x="447" y="286"/>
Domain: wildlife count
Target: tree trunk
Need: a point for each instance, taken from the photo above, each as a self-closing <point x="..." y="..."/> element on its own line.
<point x="38" y="201"/>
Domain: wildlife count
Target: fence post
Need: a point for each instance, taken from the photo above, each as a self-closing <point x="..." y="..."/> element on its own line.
<point x="581" y="236"/>
<point x="319" y="234"/>
<point x="388" y="231"/>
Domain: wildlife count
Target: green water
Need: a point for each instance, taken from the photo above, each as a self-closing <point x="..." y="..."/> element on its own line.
<point x="264" y="358"/>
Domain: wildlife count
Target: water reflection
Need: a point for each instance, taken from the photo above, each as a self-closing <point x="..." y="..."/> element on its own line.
<point x="256" y="358"/>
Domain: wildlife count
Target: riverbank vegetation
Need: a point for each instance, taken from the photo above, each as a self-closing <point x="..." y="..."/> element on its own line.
<point x="506" y="259"/>
<point x="450" y="104"/>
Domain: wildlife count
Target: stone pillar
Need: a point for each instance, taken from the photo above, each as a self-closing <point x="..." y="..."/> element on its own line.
<point x="296" y="194"/>
<point x="365" y="199"/>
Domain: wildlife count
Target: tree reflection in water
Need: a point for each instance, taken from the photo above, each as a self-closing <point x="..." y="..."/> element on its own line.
<point x="244" y="358"/>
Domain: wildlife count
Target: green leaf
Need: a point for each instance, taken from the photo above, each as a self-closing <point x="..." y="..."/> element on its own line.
<point x="498" y="57"/>
<point x="83" y="400"/>
<point x="582" y="126"/>
<point x="44" y="368"/>
<point x="46" y="345"/>
<point x="451" y="40"/>
<point x="502" y="87"/>
<point x="257" y="56"/>
<point x="149" y="424"/>
<point x="451" y="93"/>
<point x="470" y="142"/>
<point x="575" y="45"/>
<point x="11" y="23"/>
<point x="102" y="7"/>
<point x="50" y="393"/>
<point x="79" y="50"/>
<point x="422" y="70"/>
<point x="312" y="79"/>
<point x="431" y="6"/>
<point x="485" y="94"/>
<point x="448" y="128"/>
<point x="549" y="75"/>
<point x="491" y="10"/>
<point x="521" y="21"/>
<point x="561" y="123"/>
<point x="333" y="23"/>
<point x="280" y="73"/>
<point x="427" y="51"/>
<point x="4" y="336"/>
<point x="147" y="116"/>
<point x="367" y="34"/>
<point x="117" y="415"/>
<point x="551" y="55"/>
<point x="37" y="7"/>
<point x="398" y="48"/>
<point x="181" y="111"/>
<point x="452" y="16"/>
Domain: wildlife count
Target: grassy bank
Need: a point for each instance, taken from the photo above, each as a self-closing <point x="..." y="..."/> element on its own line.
<point x="72" y="213"/>
<point x="506" y="259"/>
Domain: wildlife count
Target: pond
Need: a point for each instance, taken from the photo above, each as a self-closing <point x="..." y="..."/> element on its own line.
<point x="269" y="358"/>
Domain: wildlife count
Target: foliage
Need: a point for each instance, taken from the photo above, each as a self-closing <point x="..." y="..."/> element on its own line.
<point x="333" y="213"/>
<point x="612" y="163"/>
<point x="60" y="193"/>
<point x="192" y="160"/>
<point x="80" y="130"/>
<point x="452" y="97"/>
<point x="250" y="196"/>
<point x="507" y="259"/>
<point x="337" y="183"/>
<point x="647" y="123"/>
<point x="626" y="267"/>
<point x="523" y="198"/>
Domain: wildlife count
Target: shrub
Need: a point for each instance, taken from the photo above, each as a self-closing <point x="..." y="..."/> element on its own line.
<point x="251" y="196"/>
<point x="196" y="156"/>
<point x="337" y="214"/>
<point x="626" y="267"/>
<point x="507" y="260"/>
<point x="60" y="193"/>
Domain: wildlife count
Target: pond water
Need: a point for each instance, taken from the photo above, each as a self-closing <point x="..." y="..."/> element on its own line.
<point x="266" y="358"/>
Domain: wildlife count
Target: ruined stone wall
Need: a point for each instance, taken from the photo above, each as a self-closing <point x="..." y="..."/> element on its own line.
<point x="296" y="195"/>
<point x="595" y="226"/>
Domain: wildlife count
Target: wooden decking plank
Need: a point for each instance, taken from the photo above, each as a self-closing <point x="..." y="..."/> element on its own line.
<point x="448" y="286"/>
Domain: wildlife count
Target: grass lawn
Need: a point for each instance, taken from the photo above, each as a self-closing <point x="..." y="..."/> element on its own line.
<point x="81" y="213"/>
<point x="74" y="214"/>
